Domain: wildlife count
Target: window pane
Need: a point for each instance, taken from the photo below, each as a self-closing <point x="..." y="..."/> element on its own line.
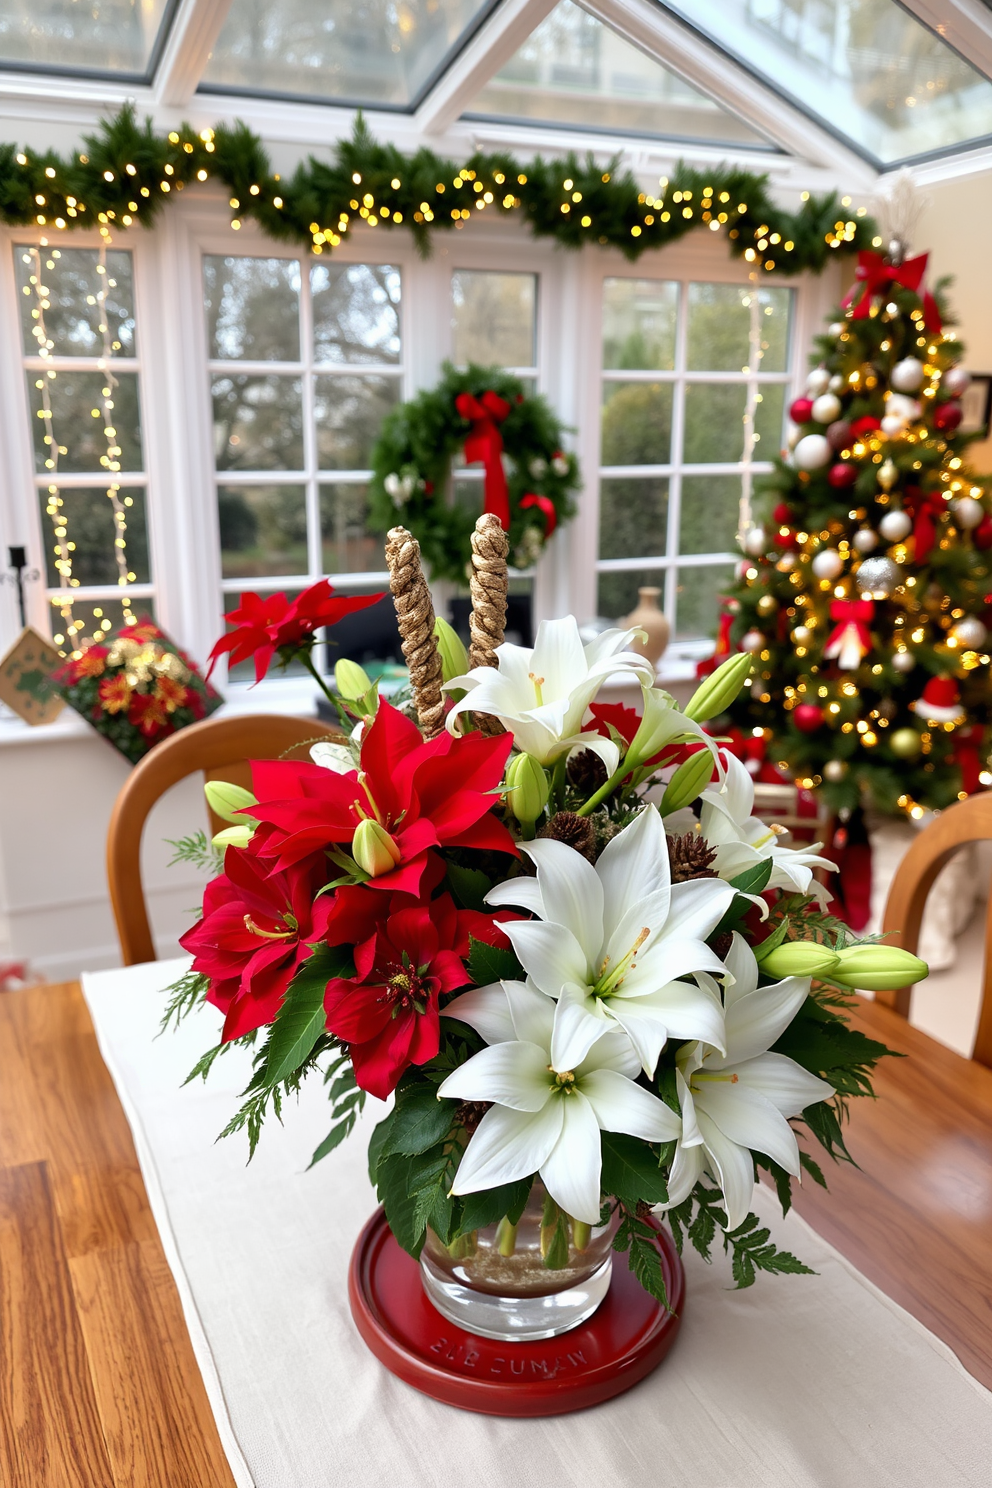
<point x="96" y="618"/>
<point x="714" y="422"/>
<point x="639" y="318"/>
<point x="77" y="425"/>
<point x="494" y="318"/>
<point x="573" y="69"/>
<point x="83" y="294"/>
<point x="348" y="544"/>
<point x="253" y="308"/>
<point x="719" y="327"/>
<point x="617" y="592"/>
<point x="91" y="526"/>
<point x="349" y="411"/>
<point x="356" y="312"/>
<point x="258" y="423"/>
<point x="769" y="418"/>
<point x="776" y="314"/>
<point x="708" y="513"/>
<point x="637" y="423"/>
<point x="360" y="51"/>
<point x="106" y="36"/>
<point x="699" y="591"/>
<point x="263" y="530"/>
<point x="633" y="518"/>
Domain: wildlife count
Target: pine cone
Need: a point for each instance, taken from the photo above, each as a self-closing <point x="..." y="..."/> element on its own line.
<point x="586" y="772"/>
<point x="690" y="857"/>
<point x="575" y="831"/>
<point x="469" y="1113"/>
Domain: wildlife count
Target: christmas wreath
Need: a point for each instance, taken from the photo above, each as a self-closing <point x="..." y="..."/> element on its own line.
<point x="486" y="415"/>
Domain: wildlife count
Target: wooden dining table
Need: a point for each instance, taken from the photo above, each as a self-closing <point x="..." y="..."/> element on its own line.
<point x="99" y="1386"/>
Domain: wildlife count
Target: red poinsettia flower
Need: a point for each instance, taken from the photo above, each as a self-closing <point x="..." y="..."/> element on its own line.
<point x="265" y="626"/>
<point x="389" y="1011"/>
<point x="256" y="931"/>
<point x="413" y="794"/>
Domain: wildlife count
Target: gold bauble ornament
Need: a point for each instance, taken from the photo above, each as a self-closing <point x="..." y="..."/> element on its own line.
<point x="887" y="476"/>
<point x="767" y="604"/>
<point x="905" y="743"/>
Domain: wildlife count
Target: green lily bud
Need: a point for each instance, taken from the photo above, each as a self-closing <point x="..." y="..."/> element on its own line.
<point x="661" y="724"/>
<point x="454" y="657"/>
<point x="226" y="800"/>
<point x="351" y="680"/>
<point x="692" y="776"/>
<point x="878" y="968"/>
<point x="234" y="836"/>
<point x="526" y="787"/>
<point x="374" y="850"/>
<point x="800" y="958"/>
<point x="715" y="694"/>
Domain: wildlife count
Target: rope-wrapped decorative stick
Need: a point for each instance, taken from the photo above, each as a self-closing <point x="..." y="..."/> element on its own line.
<point x="415" y="612"/>
<point x="487" y="586"/>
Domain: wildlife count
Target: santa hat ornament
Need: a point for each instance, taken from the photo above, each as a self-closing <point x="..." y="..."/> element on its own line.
<point x="940" y="701"/>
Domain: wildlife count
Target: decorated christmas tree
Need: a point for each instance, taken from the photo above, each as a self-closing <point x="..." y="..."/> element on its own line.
<point x="865" y="591"/>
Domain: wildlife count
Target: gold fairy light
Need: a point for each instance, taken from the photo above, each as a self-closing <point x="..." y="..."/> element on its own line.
<point x="112" y="459"/>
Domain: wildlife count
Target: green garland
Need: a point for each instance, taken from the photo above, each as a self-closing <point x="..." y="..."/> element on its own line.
<point x="411" y="465"/>
<point x="126" y="172"/>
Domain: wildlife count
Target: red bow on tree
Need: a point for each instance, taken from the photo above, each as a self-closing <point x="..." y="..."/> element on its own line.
<point x="967" y="744"/>
<point x="926" y="508"/>
<point x="722" y="651"/>
<point x="485" y="443"/>
<point x="545" y="505"/>
<point x="874" y="273"/>
<point x="850" y="639"/>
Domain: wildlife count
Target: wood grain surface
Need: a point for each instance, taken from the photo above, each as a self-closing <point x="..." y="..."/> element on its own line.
<point x="99" y="1387"/>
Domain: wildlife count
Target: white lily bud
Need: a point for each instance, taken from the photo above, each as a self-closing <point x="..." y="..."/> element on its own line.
<point x="374" y="849"/>
<point x="800" y="958"/>
<point x="351" y="680"/>
<point x="234" y="836"/>
<point x="226" y="800"/>
<point x="715" y="695"/>
<point x="661" y="724"/>
<point x="692" y="776"/>
<point x="878" y="968"/>
<point x="454" y="657"/>
<point x="527" y="787"/>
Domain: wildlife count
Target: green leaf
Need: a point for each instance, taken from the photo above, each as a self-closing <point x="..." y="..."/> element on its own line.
<point x="300" y="1020"/>
<point x="334" y="1138"/>
<point x="417" y="1121"/>
<point x="753" y="879"/>
<point x="488" y="964"/>
<point x="554" y="1236"/>
<point x="377" y="1143"/>
<point x="644" y="1258"/>
<point x="393" y="1185"/>
<point x="812" y="1168"/>
<point x="490" y="1206"/>
<point x="631" y="1172"/>
<point x="469" y="886"/>
<point x="752" y="1251"/>
<point x="781" y="1179"/>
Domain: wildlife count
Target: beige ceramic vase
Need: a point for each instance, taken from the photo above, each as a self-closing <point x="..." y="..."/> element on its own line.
<point x="649" y="618"/>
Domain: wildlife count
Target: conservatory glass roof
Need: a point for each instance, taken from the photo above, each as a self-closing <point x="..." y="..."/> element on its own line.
<point x="891" y="81"/>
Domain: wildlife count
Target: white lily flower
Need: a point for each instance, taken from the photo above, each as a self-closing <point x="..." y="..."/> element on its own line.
<point x="540" y="694"/>
<point x="612" y="942"/>
<point x="737" y="1102"/>
<point x="546" y="1117"/>
<point x="741" y="840"/>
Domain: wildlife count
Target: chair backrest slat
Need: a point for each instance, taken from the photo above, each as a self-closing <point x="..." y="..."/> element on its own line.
<point x="963" y="823"/>
<point x="220" y="748"/>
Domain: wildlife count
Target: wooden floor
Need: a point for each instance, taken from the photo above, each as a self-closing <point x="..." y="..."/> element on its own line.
<point x="99" y="1387"/>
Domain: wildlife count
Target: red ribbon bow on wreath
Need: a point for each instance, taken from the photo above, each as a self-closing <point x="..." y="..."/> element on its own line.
<point x="874" y="273"/>
<point x="484" y="442"/>
<point x="926" y="508"/>
<point x="850" y="639"/>
<point x="546" y="506"/>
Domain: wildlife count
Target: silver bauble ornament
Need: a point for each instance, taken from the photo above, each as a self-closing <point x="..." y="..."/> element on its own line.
<point x="903" y="661"/>
<point x="812" y="452"/>
<point x="906" y="408"/>
<point x="802" y="635"/>
<point x="907" y="375"/>
<point x="787" y="562"/>
<point x="826" y="408"/>
<point x="968" y="512"/>
<point x="752" y="641"/>
<point x="836" y="383"/>
<point x="893" y="425"/>
<point x="835" y="328"/>
<point x="895" y="525"/>
<point x="865" y="540"/>
<point x="835" y="770"/>
<point x="878" y="577"/>
<point x="956" y="380"/>
<point x="817" y="382"/>
<point x="755" y="541"/>
<point x="887" y="476"/>
<point x="970" y="632"/>
<point x="792" y="436"/>
<point x="827" y="564"/>
<point x="905" y="743"/>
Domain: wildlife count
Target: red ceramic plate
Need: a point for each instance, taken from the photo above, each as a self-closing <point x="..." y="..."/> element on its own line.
<point x="624" y="1340"/>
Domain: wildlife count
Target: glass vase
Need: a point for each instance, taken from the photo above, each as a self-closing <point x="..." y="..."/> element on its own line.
<point x="494" y="1281"/>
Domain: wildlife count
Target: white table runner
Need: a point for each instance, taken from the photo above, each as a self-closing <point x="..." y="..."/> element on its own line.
<point x="800" y="1382"/>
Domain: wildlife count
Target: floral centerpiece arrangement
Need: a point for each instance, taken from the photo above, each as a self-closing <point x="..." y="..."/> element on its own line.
<point x="595" y="986"/>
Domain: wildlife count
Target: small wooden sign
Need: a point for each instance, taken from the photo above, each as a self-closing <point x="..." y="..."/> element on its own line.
<point x="24" y="678"/>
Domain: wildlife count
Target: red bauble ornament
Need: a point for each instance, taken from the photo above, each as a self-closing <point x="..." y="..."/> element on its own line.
<point x="982" y="535"/>
<point x="864" y="425"/>
<point x="946" y="417"/>
<point x="801" y="411"/>
<point x="782" y="513"/>
<point x="786" y="540"/>
<point x="808" y="717"/>
<point x="841" y="475"/>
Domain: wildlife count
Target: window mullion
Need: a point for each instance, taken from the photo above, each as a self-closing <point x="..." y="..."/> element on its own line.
<point x="678" y="439"/>
<point x="314" y="549"/>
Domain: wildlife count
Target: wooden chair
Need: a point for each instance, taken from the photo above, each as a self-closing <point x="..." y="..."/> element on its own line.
<point x="964" y="822"/>
<point x="221" y="749"/>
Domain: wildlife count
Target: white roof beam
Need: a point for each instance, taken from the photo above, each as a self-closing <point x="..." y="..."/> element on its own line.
<point x="191" y="39"/>
<point x="966" y="25"/>
<point x="493" y="44"/>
